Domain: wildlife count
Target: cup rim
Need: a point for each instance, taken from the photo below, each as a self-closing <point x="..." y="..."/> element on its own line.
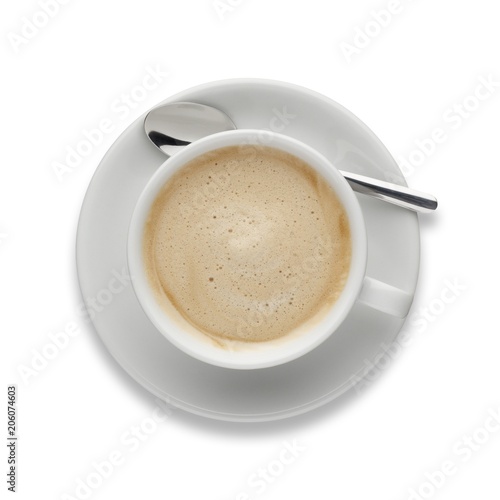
<point x="287" y="350"/>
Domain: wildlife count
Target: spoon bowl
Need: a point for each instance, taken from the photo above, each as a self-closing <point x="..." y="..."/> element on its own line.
<point x="172" y="126"/>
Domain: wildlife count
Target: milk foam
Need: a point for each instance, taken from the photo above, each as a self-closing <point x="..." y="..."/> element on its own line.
<point x="247" y="244"/>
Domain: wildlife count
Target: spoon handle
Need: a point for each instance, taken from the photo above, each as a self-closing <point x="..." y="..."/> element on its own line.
<point x="392" y="193"/>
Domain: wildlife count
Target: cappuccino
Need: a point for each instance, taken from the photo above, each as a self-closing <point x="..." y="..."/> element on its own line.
<point x="247" y="243"/>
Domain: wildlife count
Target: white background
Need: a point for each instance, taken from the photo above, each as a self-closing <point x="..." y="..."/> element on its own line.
<point x="378" y="444"/>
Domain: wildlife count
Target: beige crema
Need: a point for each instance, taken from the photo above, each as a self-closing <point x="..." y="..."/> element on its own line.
<point x="247" y="243"/>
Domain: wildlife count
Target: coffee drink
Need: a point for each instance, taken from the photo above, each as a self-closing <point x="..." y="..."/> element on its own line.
<point x="247" y="243"/>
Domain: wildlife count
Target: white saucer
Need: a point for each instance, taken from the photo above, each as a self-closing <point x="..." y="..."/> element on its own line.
<point x="257" y="395"/>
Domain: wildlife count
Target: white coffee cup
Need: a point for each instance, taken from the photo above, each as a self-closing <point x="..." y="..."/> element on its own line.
<point x="244" y="355"/>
